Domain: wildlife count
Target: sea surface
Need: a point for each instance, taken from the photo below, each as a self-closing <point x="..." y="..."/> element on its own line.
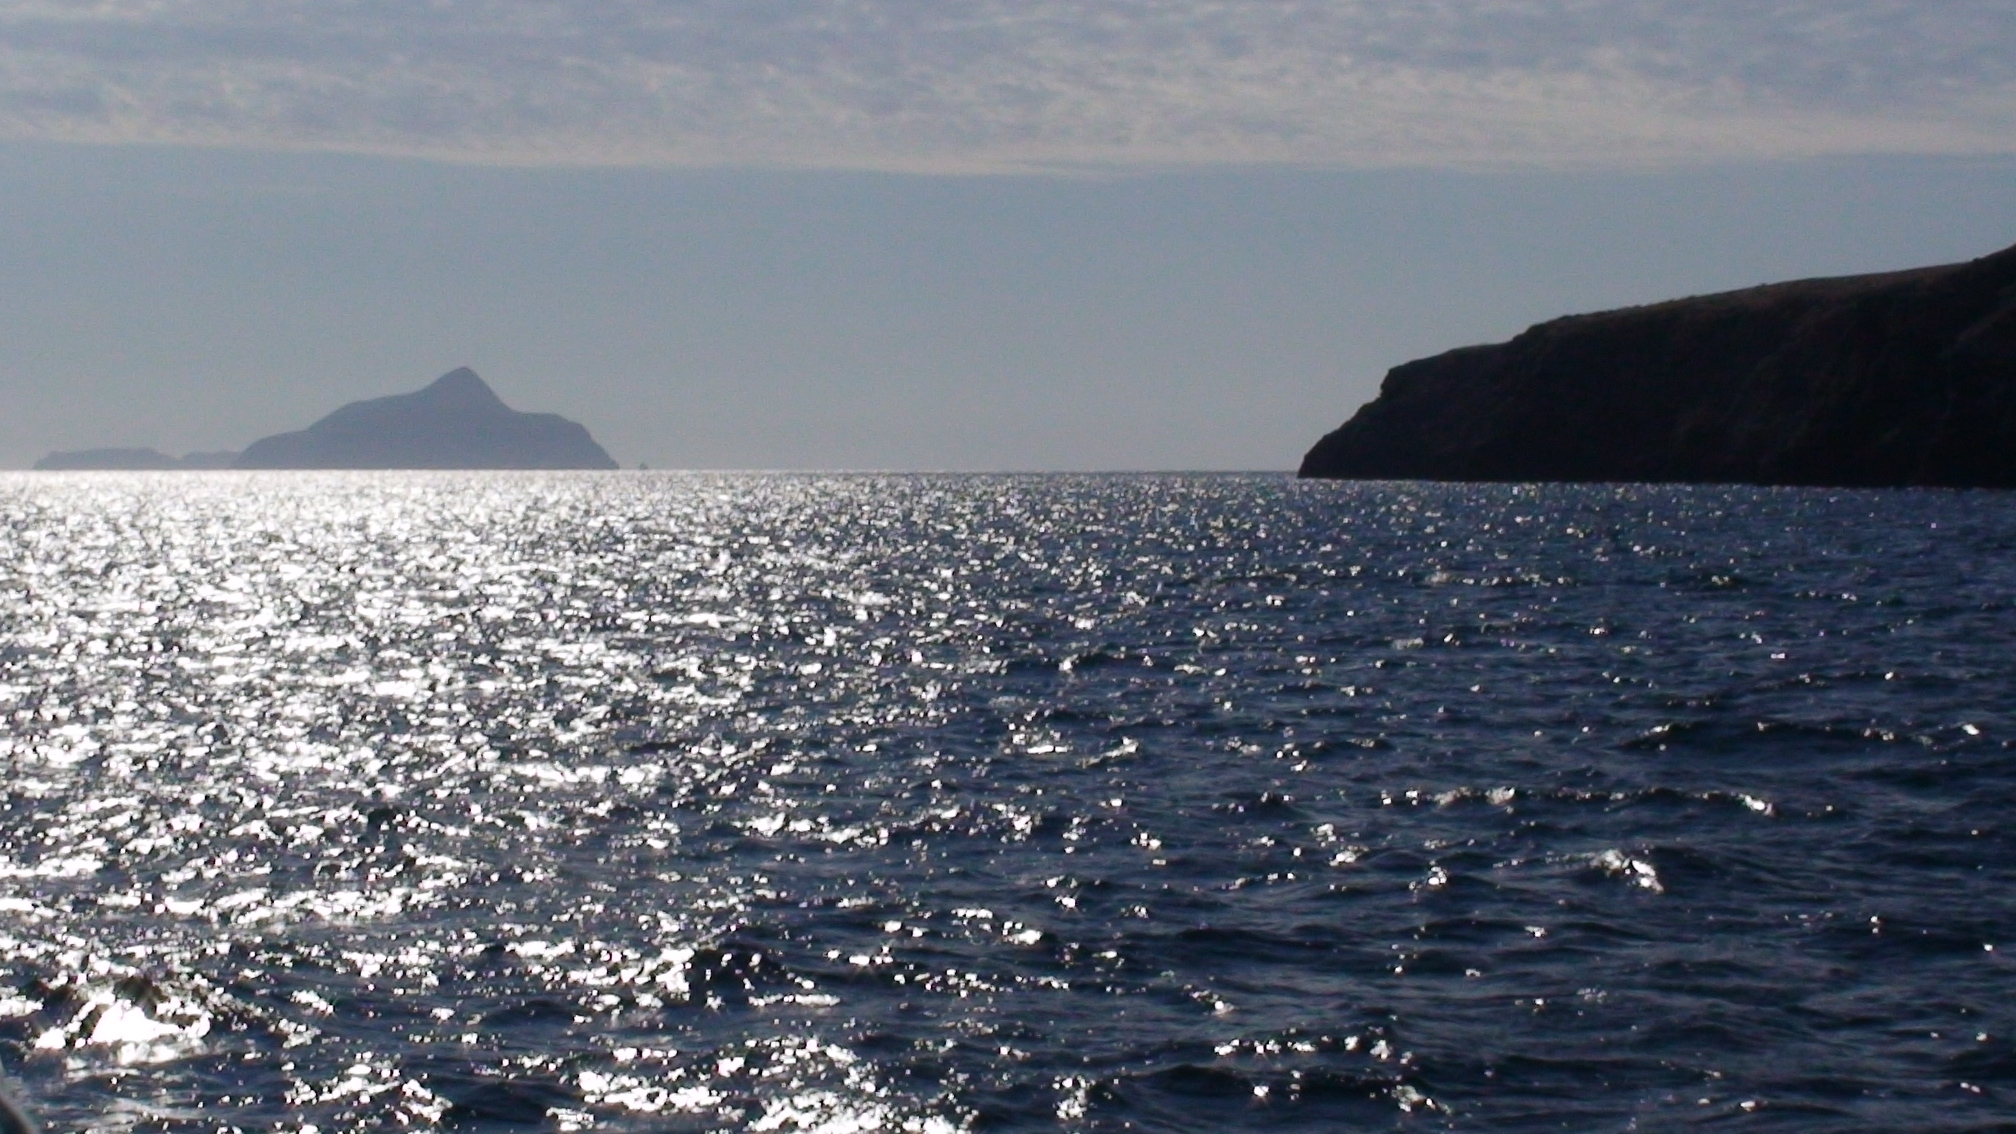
<point x="663" y="802"/>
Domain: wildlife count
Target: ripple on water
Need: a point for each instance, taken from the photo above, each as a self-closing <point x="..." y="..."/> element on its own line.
<point x="931" y="803"/>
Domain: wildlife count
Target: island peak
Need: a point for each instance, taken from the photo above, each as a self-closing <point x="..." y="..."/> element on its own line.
<point x="462" y="385"/>
<point x="455" y="422"/>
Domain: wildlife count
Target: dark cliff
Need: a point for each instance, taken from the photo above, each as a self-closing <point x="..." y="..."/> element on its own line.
<point x="1907" y="378"/>
<point x="455" y="423"/>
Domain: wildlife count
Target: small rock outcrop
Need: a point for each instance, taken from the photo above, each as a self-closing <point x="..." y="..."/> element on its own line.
<point x="455" y="423"/>
<point x="1906" y="378"/>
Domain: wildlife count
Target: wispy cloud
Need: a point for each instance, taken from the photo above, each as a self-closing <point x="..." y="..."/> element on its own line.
<point x="968" y="85"/>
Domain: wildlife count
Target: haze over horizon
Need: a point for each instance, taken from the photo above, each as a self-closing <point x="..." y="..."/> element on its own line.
<point x="885" y="234"/>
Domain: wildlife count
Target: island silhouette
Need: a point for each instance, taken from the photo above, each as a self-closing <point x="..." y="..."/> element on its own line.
<point x="456" y="422"/>
<point x="1904" y="378"/>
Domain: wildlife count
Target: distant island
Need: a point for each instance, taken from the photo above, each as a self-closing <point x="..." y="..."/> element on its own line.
<point x="1905" y="378"/>
<point x="457" y="422"/>
<point x="134" y="460"/>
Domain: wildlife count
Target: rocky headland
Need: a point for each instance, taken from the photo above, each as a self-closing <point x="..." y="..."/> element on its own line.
<point x="1905" y="378"/>
<point x="457" y="422"/>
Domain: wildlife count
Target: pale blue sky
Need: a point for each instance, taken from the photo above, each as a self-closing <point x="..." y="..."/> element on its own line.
<point x="955" y="234"/>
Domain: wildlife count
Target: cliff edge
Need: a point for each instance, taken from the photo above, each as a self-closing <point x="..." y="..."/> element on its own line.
<point x="455" y="423"/>
<point x="1905" y="378"/>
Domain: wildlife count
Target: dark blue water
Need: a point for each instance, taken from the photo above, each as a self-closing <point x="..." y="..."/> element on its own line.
<point x="853" y="803"/>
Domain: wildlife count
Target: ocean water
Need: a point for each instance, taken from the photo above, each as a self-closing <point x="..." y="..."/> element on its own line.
<point x="659" y="802"/>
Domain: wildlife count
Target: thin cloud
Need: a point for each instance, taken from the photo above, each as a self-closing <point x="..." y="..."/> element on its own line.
<point x="980" y="85"/>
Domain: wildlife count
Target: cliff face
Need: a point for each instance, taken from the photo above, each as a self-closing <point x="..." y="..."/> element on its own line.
<point x="1907" y="378"/>
<point x="455" y="423"/>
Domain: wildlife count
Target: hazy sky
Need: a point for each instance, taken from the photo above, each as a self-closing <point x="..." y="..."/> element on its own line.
<point x="943" y="234"/>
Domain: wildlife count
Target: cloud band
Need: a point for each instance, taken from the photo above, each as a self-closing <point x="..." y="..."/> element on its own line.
<point x="994" y="85"/>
